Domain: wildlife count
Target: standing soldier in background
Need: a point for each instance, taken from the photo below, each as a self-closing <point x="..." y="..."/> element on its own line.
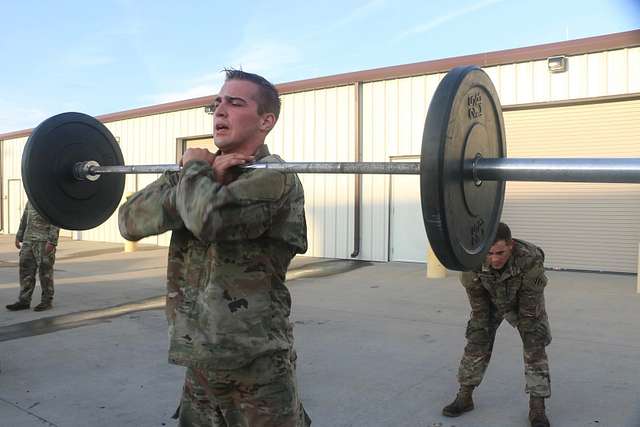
<point x="37" y="240"/>
<point x="509" y="285"/>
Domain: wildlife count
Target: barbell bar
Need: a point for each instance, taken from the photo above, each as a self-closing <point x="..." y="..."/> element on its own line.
<point x="612" y="170"/>
<point x="73" y="170"/>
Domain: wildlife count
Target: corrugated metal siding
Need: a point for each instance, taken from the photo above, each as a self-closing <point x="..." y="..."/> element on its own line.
<point x="392" y="123"/>
<point x="150" y="140"/>
<point x="580" y="226"/>
<point x="394" y="112"/>
<point x="144" y="140"/>
<point x="590" y="75"/>
<point x="11" y="163"/>
<point x="318" y="126"/>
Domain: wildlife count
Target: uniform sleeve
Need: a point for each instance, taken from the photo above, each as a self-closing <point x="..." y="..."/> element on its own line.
<point x="531" y="294"/>
<point x="243" y="209"/>
<point x="478" y="299"/>
<point x="52" y="235"/>
<point x="151" y="210"/>
<point x="23" y="225"/>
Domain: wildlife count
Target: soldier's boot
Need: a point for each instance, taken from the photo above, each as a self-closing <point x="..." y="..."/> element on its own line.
<point x="537" y="417"/>
<point x="20" y="305"/>
<point x="44" y="305"/>
<point x="462" y="403"/>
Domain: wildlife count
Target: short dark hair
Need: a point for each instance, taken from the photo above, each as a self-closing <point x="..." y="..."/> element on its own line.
<point x="503" y="233"/>
<point x="268" y="97"/>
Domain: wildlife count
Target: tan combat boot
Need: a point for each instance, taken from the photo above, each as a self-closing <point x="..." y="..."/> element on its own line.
<point x="463" y="403"/>
<point x="537" y="417"/>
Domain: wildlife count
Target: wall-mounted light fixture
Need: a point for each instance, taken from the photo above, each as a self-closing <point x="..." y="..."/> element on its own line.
<point x="557" y="64"/>
<point x="209" y="109"/>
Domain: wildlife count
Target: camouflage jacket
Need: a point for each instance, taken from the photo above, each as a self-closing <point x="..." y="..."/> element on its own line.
<point x="34" y="228"/>
<point x="514" y="293"/>
<point x="230" y="249"/>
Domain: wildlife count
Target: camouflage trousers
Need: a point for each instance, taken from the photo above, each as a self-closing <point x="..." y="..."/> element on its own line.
<point x="261" y="394"/>
<point x="477" y="353"/>
<point x="33" y="259"/>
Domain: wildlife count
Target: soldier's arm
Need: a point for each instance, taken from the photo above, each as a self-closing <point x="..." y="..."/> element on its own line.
<point x="151" y="210"/>
<point x="478" y="298"/>
<point x="242" y="209"/>
<point x="52" y="236"/>
<point x="531" y="295"/>
<point x="23" y="225"/>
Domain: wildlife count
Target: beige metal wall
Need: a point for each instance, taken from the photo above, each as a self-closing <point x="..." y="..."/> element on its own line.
<point x="144" y="140"/>
<point x="150" y="140"/>
<point x="319" y="126"/>
<point x="580" y="226"/>
<point x="590" y="75"/>
<point x="393" y="118"/>
<point x="394" y="112"/>
<point x="316" y="125"/>
<point x="11" y="162"/>
<point x="14" y="196"/>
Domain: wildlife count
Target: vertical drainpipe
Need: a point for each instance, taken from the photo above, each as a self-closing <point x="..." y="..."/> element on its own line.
<point x="357" y="177"/>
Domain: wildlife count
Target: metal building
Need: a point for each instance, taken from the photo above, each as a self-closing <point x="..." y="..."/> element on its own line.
<point x="578" y="98"/>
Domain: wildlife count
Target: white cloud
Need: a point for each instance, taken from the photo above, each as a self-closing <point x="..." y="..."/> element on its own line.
<point x="265" y="57"/>
<point x="205" y="85"/>
<point x="438" y="21"/>
<point x="360" y="12"/>
<point x="79" y="59"/>
<point x="268" y="58"/>
<point x="14" y="118"/>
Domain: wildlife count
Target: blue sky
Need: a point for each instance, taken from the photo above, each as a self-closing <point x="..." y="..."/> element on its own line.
<point x="104" y="56"/>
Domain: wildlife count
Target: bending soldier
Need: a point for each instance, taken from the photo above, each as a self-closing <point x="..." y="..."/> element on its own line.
<point x="37" y="240"/>
<point x="509" y="285"/>
<point x="234" y="234"/>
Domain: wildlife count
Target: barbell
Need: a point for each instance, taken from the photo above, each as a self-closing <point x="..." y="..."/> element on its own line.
<point x="73" y="169"/>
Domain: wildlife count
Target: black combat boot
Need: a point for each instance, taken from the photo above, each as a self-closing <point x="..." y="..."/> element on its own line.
<point x="44" y="305"/>
<point x="20" y="305"/>
<point x="537" y="417"/>
<point x="463" y="402"/>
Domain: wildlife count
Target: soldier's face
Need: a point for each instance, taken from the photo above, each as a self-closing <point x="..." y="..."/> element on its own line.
<point x="236" y="122"/>
<point x="499" y="254"/>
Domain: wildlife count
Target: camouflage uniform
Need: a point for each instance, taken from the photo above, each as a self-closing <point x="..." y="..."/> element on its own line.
<point x="227" y="305"/>
<point x="514" y="293"/>
<point x="34" y="233"/>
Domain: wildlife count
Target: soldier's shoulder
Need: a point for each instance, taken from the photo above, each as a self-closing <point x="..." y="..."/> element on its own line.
<point x="527" y="254"/>
<point x="291" y="179"/>
<point x="469" y="278"/>
<point x="34" y="215"/>
<point x="272" y="158"/>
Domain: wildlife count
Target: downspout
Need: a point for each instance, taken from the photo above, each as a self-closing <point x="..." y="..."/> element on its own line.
<point x="357" y="177"/>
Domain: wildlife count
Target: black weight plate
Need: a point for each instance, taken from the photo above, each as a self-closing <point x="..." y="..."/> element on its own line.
<point x="464" y="120"/>
<point x="53" y="148"/>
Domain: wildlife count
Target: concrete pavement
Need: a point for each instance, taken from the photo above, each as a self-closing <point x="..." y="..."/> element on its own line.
<point x="378" y="345"/>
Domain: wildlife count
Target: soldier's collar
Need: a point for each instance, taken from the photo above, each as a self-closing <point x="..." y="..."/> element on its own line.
<point x="261" y="152"/>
